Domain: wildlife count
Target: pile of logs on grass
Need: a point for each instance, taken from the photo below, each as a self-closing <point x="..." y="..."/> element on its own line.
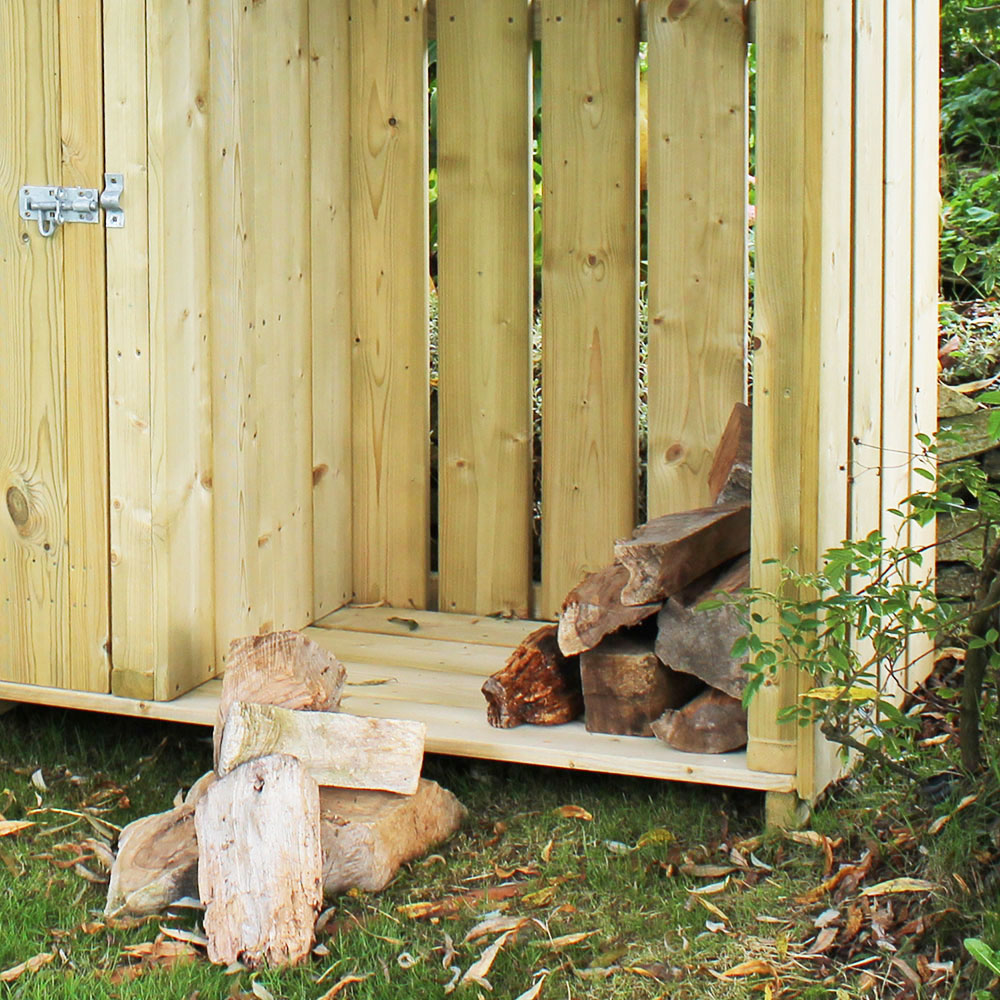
<point x="303" y="801"/>
<point x="631" y="652"/>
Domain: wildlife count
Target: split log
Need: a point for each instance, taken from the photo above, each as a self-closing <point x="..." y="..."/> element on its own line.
<point x="367" y="835"/>
<point x="281" y="668"/>
<point x="699" y="642"/>
<point x="729" y="477"/>
<point x="157" y="859"/>
<point x="537" y="685"/>
<point x="335" y="748"/>
<point x="711" y="723"/>
<point x="626" y="687"/>
<point x="260" y="867"/>
<point x="593" y="609"/>
<point x="669" y="552"/>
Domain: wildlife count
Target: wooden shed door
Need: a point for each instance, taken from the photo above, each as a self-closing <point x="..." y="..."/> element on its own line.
<point x="54" y="605"/>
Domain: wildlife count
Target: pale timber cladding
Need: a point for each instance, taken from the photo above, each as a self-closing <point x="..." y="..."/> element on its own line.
<point x="248" y="447"/>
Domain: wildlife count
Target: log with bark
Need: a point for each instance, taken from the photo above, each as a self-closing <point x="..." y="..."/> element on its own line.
<point x="593" y="609"/>
<point x="281" y="668"/>
<point x="729" y="477"/>
<point x="157" y="859"/>
<point x="626" y="687"/>
<point x="710" y="723"/>
<point x="669" y="552"/>
<point x="348" y="751"/>
<point x="699" y="642"/>
<point x="366" y="835"/>
<point x="537" y="685"/>
<point x="260" y="866"/>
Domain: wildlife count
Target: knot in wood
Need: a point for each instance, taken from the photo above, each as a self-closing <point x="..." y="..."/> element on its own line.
<point x="17" y="506"/>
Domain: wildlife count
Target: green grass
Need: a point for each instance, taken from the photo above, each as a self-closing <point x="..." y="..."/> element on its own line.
<point x="617" y="875"/>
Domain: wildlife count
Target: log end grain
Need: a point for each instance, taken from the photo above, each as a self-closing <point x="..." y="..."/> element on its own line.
<point x="712" y="722"/>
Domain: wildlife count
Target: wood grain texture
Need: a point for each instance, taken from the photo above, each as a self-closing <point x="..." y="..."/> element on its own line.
<point x="330" y="287"/>
<point x="697" y="241"/>
<point x="485" y="312"/>
<point x="34" y="552"/>
<point x="589" y="280"/>
<point x="389" y="315"/>
<point x="136" y="644"/>
<point x="335" y="749"/>
<point x="259" y="865"/>
<point x="82" y="132"/>
<point x="177" y="74"/>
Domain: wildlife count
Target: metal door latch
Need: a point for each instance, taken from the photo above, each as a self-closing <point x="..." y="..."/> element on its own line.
<point x="52" y="206"/>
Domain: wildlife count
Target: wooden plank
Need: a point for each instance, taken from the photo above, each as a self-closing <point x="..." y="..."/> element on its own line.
<point x="697" y="180"/>
<point x="82" y="131"/>
<point x="484" y="286"/>
<point x="926" y="44"/>
<point x="778" y="394"/>
<point x="389" y="247"/>
<point x="589" y="277"/>
<point x="507" y="632"/>
<point x="34" y="556"/>
<point x="177" y="73"/>
<point x="136" y="645"/>
<point x="330" y="286"/>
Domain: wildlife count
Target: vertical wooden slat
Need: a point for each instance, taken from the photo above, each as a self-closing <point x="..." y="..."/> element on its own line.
<point x="389" y="246"/>
<point x="82" y="100"/>
<point x="34" y="552"/>
<point x="897" y="306"/>
<point x="589" y="288"/>
<point x="926" y="45"/>
<point x="697" y="241"/>
<point x="179" y="344"/>
<point x="329" y="125"/>
<point x="135" y="644"/>
<point x="484" y="325"/>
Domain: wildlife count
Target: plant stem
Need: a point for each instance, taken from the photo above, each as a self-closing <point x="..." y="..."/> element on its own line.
<point x="837" y="735"/>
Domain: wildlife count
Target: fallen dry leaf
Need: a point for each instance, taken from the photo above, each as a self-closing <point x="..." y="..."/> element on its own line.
<point x="900" y="885"/>
<point x="658" y="835"/>
<point x="824" y="941"/>
<point x="573" y="812"/>
<point x="179" y="934"/>
<point x="452" y="904"/>
<point x="707" y="871"/>
<point x="540" y="898"/>
<point x="160" y="950"/>
<point x="506" y="873"/>
<point x="33" y="964"/>
<point x="532" y="992"/>
<point x="477" y="972"/>
<point x="567" y="940"/>
<point x="711" y="907"/>
<point x="495" y="925"/>
<point x="547" y="855"/>
<point x="8" y="827"/>
<point x="711" y="889"/>
<point x="755" y="967"/>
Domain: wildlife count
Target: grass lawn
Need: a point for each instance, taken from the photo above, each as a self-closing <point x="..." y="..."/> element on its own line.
<point x="603" y="892"/>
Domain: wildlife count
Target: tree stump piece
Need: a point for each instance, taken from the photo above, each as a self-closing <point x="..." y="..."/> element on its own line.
<point x="260" y="867"/>
<point x="335" y="748"/>
<point x="669" y="552"/>
<point x="281" y="668"/>
<point x="626" y="687"/>
<point x="366" y="835"/>
<point x="593" y="609"/>
<point x="537" y="685"/>
<point x="729" y="477"/>
<point x="711" y="723"/>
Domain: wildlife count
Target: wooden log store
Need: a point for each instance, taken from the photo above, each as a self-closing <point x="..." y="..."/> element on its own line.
<point x="216" y="413"/>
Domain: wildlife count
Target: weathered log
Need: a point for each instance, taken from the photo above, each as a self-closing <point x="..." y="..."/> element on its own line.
<point x="366" y="835"/>
<point x="952" y="403"/>
<point x="710" y="723"/>
<point x="281" y="668"/>
<point x="729" y="477"/>
<point x="537" y="685"/>
<point x="260" y="867"/>
<point x="626" y="687"/>
<point x="593" y="609"/>
<point x="700" y="642"/>
<point x="335" y="748"/>
<point x="973" y="436"/>
<point x="157" y="859"/>
<point x="669" y="552"/>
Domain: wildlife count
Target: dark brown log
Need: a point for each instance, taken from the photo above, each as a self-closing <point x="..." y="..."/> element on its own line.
<point x="593" y="609"/>
<point x="668" y="553"/>
<point x="259" y="864"/>
<point x="281" y="668"/>
<point x="729" y="477"/>
<point x="711" y="723"/>
<point x="537" y="685"/>
<point x="625" y="687"/>
<point x="699" y="642"/>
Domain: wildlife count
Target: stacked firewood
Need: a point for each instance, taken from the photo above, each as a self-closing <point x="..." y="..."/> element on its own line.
<point x="303" y="801"/>
<point x="631" y="652"/>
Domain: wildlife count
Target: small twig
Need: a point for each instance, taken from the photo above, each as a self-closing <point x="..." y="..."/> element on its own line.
<point x="836" y="735"/>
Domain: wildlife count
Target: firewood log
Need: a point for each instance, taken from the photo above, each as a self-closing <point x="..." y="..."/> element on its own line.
<point x="710" y="723"/>
<point x="729" y="477"/>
